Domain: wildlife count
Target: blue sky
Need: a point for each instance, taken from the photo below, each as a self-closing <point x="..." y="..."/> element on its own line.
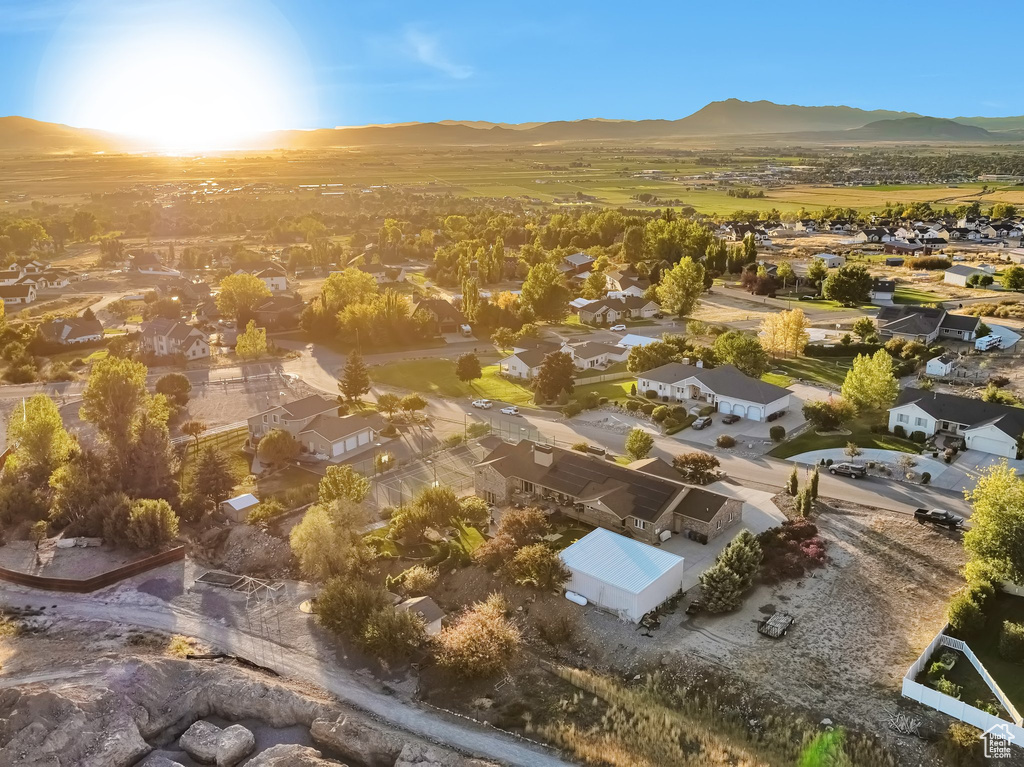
<point x="364" y="62"/>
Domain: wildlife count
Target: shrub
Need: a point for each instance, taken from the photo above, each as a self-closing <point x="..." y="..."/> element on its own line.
<point x="929" y="262"/>
<point x="651" y="394"/>
<point x="537" y="565"/>
<point x="495" y="552"/>
<point x="679" y="412"/>
<point x="926" y="477"/>
<point x="647" y="408"/>
<point x="899" y="431"/>
<point x="918" y="436"/>
<point x="523" y="526"/>
<point x="777" y="433"/>
<point x="580" y="447"/>
<point x="659" y="414"/>
<point x="961" y="745"/>
<point x="965" y="616"/>
<point x="151" y="522"/>
<point x="265" y="511"/>
<point x="389" y="430"/>
<point x="706" y="410"/>
<point x="590" y="400"/>
<point x="1011" y="641"/>
<point x="557" y="625"/>
<point x="669" y="423"/>
<point x="482" y="642"/>
<point x="946" y="687"/>
<point x="829" y="461"/>
<point x="698" y="468"/>
<point x="828" y="415"/>
<point x="602" y="401"/>
<point x="632" y="406"/>
<point x="572" y="409"/>
<point x="393" y="635"/>
<point x="998" y="381"/>
<point x="725" y="440"/>
<point x="419" y="579"/>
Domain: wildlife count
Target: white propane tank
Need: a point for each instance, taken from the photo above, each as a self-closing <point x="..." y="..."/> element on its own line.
<point x="572" y="596"/>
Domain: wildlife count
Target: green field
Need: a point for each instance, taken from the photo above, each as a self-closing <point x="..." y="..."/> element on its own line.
<point x="777" y="378"/>
<point x="906" y="295"/>
<point x="826" y="370"/>
<point x="613" y="390"/>
<point x="860" y="434"/>
<point x="436" y="376"/>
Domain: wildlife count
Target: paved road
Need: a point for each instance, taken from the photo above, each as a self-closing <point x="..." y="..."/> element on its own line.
<point x="290" y="662"/>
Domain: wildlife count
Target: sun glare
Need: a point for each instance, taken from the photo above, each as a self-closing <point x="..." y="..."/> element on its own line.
<point x="178" y="87"/>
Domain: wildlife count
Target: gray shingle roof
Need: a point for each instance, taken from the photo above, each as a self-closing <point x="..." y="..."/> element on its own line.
<point x="964" y="410"/>
<point x="724" y="381"/>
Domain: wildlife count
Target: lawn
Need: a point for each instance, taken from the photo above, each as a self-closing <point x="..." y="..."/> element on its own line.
<point x="613" y="390"/>
<point x="230" y="444"/>
<point x="915" y="296"/>
<point x="437" y="376"/>
<point x="826" y="370"/>
<point x="1009" y="676"/>
<point x="860" y="434"/>
<point x="777" y="378"/>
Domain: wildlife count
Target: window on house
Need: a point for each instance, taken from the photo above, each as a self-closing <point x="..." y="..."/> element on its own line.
<point x="903" y="418"/>
<point x="528" y="487"/>
<point x="919" y="422"/>
<point x="639" y="523"/>
<point x="276" y="418"/>
<point x="265" y="418"/>
<point x="490" y="497"/>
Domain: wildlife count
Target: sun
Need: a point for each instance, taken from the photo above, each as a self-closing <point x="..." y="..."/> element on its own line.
<point x="178" y="85"/>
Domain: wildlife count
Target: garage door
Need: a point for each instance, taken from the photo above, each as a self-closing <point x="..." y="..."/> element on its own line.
<point x="754" y="413"/>
<point x="739" y="410"/>
<point x="337" y="448"/>
<point x="992" y="446"/>
<point x="350" y="444"/>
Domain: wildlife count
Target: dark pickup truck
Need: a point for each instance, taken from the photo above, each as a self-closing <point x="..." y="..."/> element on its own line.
<point x="939" y="517"/>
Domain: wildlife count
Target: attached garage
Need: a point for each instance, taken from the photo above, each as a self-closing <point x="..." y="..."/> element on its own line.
<point x="989" y="439"/>
<point x="621" y="575"/>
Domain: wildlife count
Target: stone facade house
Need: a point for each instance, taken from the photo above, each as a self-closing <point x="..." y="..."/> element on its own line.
<point x="642" y="500"/>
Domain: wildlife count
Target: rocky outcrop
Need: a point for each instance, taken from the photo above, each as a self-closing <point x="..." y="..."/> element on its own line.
<point x="291" y="756"/>
<point x="159" y="760"/>
<point x="426" y="755"/>
<point x="200" y="741"/>
<point x="68" y="726"/>
<point x="356" y="739"/>
<point x="236" y="743"/>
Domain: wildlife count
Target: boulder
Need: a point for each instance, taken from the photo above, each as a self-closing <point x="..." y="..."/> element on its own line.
<point x="200" y="741"/>
<point x="286" y="755"/>
<point x="358" y="740"/>
<point x="160" y="760"/>
<point x="426" y="755"/>
<point x="236" y="743"/>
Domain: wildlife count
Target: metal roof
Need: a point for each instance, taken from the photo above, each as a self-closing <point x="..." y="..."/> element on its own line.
<point x="244" y="501"/>
<point x="619" y="561"/>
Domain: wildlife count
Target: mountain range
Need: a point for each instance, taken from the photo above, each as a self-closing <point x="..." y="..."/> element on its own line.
<point x="759" y="120"/>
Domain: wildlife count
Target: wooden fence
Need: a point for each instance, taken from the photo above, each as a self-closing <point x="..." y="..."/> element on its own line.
<point x="87" y="585"/>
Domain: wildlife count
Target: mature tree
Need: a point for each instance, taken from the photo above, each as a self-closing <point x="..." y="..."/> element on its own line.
<point x="979" y="280"/>
<point x="544" y="292"/>
<point x="412" y="403"/>
<point x="537" y="565"/>
<point x="864" y="328"/>
<point x="212" y="479"/>
<point x="389" y="403"/>
<point x="721" y="589"/>
<point x="595" y="286"/>
<point x="523" y="526"/>
<point x="151" y="461"/>
<point x="742" y="351"/>
<point x="176" y="387"/>
<point x="475" y="511"/>
<point x="871" y="383"/>
<point x="1004" y="210"/>
<point x="785" y="273"/>
<point x="393" y="635"/>
<point x="995" y="540"/>
<point x="503" y="338"/>
<point x="644" y="357"/>
<point x="829" y="414"/>
<point x="151" y="522"/>
<point x="347" y="287"/>
<point x="355" y="380"/>
<point x="345" y="604"/>
<point x="240" y="294"/>
<point x="850" y="285"/>
<point x="467" y="367"/>
<point x="555" y="376"/>
<point x="328" y="542"/>
<point x="633" y="244"/>
<point x="342" y="482"/>
<point x="79" y="491"/>
<point x="277" y="447"/>
<point x="252" y="343"/>
<point x="639" y="444"/>
<point x="681" y="287"/>
<point x="817" y="271"/>
<point x="696" y="467"/>
<point x="1013" y="278"/>
<point x="482" y="642"/>
<point x="743" y="557"/>
<point x="194" y="429"/>
<point x="38" y="440"/>
<point x="495" y="552"/>
<point x="115" y="400"/>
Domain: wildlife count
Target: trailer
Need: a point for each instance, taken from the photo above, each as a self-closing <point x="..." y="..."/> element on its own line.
<point x="776" y="626"/>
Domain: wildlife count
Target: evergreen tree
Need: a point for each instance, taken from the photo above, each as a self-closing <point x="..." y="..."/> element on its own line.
<point x="151" y="465"/>
<point x="793" y="484"/>
<point x="355" y="380"/>
<point x="497" y="265"/>
<point x="212" y="478"/>
<point x="814" y="484"/>
<point x="721" y="588"/>
<point x="743" y="557"/>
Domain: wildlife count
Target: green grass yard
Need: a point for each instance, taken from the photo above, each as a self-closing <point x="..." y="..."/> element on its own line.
<point x="613" y="390"/>
<point x="860" y="434"/>
<point x="915" y="296"/>
<point x="826" y="370"/>
<point x="777" y="378"/>
<point x="436" y="376"/>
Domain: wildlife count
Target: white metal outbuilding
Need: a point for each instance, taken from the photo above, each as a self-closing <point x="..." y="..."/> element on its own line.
<point x="619" y="574"/>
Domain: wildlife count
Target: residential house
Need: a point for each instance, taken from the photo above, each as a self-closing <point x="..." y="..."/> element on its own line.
<point x="644" y="499"/>
<point x="924" y="324"/>
<point x="725" y="388"/>
<point x="831" y="259"/>
<point x="987" y="427"/>
<point x="591" y="355"/>
<point x="10" y="276"/>
<point x="164" y="338"/>
<point x="30" y="266"/>
<point x="53" y="279"/>
<point x="274" y="277"/>
<point x="528" y="354"/>
<point x="882" y="290"/>
<point x="576" y="264"/>
<point x="17" y="295"/>
<point x="315" y="424"/>
<point x="71" y="330"/>
<point x="383" y="275"/>
<point x="906" y="248"/>
<point x="941" y="366"/>
<point x="808" y="225"/>
<point x="292" y="417"/>
<point x="277" y="312"/>
<point x="443" y="317"/>
<point x="873" y="234"/>
<point x="960" y="274"/>
<point x="626" y="283"/>
<point x="608" y="311"/>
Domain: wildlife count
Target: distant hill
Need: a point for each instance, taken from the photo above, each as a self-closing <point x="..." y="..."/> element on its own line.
<point x="920" y="129"/>
<point x="26" y="136"/>
<point x="993" y="123"/>
<point x="733" y="116"/>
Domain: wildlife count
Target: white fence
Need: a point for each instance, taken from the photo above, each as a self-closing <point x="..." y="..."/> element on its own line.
<point x="947" y="704"/>
<point x="620" y="376"/>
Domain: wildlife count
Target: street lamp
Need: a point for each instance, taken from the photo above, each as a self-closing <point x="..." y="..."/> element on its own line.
<point x="434" y="467"/>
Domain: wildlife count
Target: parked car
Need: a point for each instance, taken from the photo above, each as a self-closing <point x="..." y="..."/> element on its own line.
<point x="702" y="423"/>
<point x="510" y="410"/>
<point x="731" y="418"/>
<point x="854" y="470"/>
<point x="484" y="404"/>
<point x="618" y="328"/>
<point x="939" y="517"/>
<point x="658" y="316"/>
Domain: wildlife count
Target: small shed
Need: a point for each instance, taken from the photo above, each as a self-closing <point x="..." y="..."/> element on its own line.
<point x="237" y="509"/>
<point x="621" y="575"/>
<point x="427" y="609"/>
<point x="940" y="366"/>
